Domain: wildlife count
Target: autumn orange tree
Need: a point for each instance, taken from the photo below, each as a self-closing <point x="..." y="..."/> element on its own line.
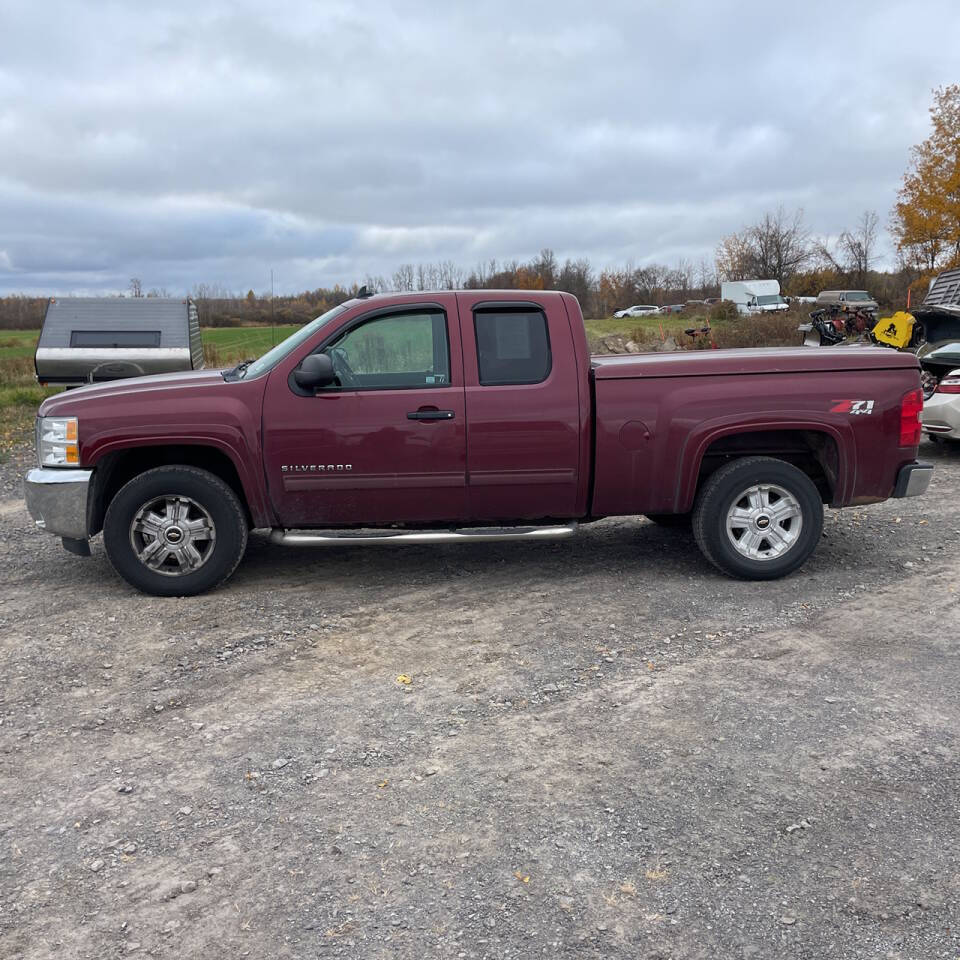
<point x="926" y="218"/>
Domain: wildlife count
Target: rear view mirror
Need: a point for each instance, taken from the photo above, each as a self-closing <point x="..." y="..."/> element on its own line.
<point x="316" y="371"/>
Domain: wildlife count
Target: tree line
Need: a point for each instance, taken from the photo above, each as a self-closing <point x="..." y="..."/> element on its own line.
<point x="600" y="292"/>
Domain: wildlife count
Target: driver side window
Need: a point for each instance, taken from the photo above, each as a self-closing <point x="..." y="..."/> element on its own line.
<point x="396" y="352"/>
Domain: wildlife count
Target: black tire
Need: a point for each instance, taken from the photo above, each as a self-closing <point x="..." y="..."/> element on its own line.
<point x="724" y="491"/>
<point x="220" y="546"/>
<point x="675" y="521"/>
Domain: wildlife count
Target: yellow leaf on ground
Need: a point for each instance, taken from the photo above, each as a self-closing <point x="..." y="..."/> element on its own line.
<point x="403" y="678"/>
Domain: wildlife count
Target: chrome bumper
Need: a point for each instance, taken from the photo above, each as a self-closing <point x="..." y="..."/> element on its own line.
<point x="913" y="479"/>
<point x="57" y="500"/>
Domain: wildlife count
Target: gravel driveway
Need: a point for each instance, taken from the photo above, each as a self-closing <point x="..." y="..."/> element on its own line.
<point x="605" y="749"/>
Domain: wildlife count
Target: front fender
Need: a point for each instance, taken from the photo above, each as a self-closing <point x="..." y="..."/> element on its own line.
<point x="227" y="441"/>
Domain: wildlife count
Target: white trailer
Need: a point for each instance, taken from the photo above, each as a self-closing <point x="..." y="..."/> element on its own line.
<point x="754" y="296"/>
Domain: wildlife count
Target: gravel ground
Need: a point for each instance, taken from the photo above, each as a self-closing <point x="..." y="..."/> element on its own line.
<point x="605" y="749"/>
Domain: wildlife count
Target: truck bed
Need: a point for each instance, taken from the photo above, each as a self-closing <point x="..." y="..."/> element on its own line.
<point x="691" y="363"/>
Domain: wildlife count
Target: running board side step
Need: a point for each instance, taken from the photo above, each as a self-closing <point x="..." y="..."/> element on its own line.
<point x="348" y="538"/>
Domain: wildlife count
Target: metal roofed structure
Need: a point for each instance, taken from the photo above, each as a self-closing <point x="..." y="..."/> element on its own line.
<point x="92" y="339"/>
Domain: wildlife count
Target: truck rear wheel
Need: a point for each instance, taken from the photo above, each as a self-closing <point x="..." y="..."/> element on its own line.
<point x="175" y="531"/>
<point x="758" y="518"/>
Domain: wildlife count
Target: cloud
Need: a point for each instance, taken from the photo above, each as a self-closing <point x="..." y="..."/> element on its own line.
<point x="184" y="143"/>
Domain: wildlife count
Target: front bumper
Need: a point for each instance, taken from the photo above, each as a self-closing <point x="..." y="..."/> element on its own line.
<point x="57" y="500"/>
<point x="913" y="479"/>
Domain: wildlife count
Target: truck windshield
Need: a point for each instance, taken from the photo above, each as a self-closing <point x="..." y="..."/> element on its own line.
<point x="771" y="298"/>
<point x="272" y="357"/>
<point x="858" y="295"/>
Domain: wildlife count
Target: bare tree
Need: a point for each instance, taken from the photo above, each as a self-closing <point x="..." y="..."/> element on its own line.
<point x="781" y="245"/>
<point x="859" y="245"/>
<point x="707" y="285"/>
<point x="449" y="276"/>
<point x="403" y="277"/>
<point x="774" y="249"/>
<point x="427" y="274"/>
<point x="546" y="268"/>
<point x="685" y="277"/>
<point x="853" y="255"/>
<point x="136" y="287"/>
<point x="576" y="277"/>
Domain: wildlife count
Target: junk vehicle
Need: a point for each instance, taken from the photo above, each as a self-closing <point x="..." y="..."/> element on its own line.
<point x="92" y="339"/>
<point x="939" y="320"/>
<point x="941" y="409"/>
<point x="638" y="310"/>
<point x="847" y="300"/>
<point x="931" y="330"/>
<point x="468" y="417"/>
<point x="829" y="326"/>
<point x="754" y="296"/>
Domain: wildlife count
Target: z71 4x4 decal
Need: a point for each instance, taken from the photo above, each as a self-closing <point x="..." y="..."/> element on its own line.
<point x="852" y="406"/>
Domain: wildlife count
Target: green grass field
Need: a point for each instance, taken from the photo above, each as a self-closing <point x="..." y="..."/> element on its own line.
<point x="229" y="345"/>
<point x="20" y="394"/>
<point x="627" y="326"/>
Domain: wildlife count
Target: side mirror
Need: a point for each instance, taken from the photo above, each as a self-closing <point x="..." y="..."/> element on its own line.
<point x="315" y="371"/>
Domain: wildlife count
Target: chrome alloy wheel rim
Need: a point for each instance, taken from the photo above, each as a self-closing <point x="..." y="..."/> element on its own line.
<point x="172" y="535"/>
<point x="764" y="522"/>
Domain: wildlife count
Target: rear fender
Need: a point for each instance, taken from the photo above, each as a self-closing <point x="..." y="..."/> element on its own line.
<point x="700" y="440"/>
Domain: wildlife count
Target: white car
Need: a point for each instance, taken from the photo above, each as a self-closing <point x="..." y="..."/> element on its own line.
<point x="640" y="310"/>
<point x="941" y="411"/>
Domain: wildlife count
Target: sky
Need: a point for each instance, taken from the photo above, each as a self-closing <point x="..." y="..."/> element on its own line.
<point x="192" y="142"/>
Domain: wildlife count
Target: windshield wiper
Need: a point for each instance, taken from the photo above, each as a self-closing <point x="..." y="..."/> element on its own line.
<point x="237" y="372"/>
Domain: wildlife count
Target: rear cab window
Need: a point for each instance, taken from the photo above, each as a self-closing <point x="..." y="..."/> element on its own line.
<point x="513" y="345"/>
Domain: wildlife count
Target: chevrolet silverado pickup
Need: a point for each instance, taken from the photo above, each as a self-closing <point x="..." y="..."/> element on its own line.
<point x="471" y="416"/>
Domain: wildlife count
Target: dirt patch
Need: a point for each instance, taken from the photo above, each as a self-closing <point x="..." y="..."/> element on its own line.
<point x="606" y="749"/>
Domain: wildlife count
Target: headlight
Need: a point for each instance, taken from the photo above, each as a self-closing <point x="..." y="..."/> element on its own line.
<point x="57" y="444"/>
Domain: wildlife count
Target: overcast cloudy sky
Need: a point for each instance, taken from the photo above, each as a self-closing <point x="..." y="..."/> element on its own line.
<point x="199" y="142"/>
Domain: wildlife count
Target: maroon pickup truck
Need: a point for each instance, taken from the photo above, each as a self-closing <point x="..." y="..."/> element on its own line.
<point x="472" y="416"/>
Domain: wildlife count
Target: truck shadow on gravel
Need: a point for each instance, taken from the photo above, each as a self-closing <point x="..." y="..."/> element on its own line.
<point x="639" y="548"/>
<point x="637" y="553"/>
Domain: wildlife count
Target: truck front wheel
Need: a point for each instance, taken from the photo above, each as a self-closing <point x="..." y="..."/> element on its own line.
<point x="175" y="531"/>
<point x="758" y="518"/>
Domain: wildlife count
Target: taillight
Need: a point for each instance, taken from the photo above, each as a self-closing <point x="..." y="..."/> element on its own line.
<point x="948" y="385"/>
<point x="910" y="407"/>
